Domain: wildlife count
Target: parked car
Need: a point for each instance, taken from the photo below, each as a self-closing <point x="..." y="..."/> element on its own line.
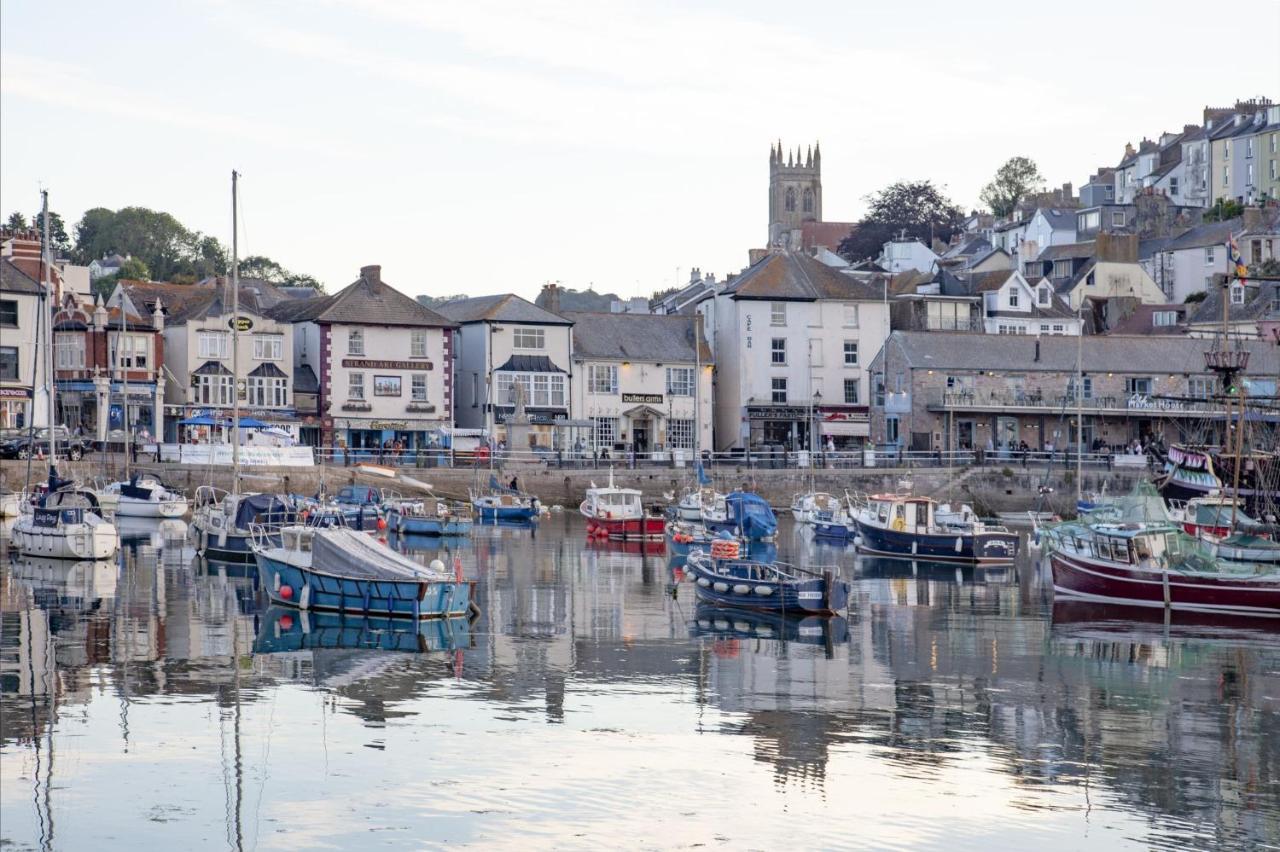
<point x="22" y="446"/>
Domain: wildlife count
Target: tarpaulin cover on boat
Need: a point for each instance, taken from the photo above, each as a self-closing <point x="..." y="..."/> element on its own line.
<point x="750" y="513"/>
<point x="266" y="509"/>
<point x="348" y="553"/>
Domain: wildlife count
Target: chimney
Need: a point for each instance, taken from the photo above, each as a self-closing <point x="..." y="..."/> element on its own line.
<point x="1128" y="149"/>
<point x="372" y="274"/>
<point x="1117" y="248"/>
<point x="552" y="300"/>
<point x="1252" y="218"/>
<point x="1066" y="191"/>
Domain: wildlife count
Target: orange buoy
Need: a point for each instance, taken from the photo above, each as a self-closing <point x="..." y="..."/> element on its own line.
<point x="286" y="592"/>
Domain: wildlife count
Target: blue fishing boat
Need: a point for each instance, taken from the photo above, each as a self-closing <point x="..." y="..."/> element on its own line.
<point x="896" y="525"/>
<point x="834" y="524"/>
<point x="221" y="522"/>
<point x="504" y="504"/>
<point x="734" y="623"/>
<point x="285" y="630"/>
<point x="744" y="514"/>
<point x="429" y="516"/>
<point x="360" y="504"/>
<point x="341" y="570"/>
<point x="727" y="580"/>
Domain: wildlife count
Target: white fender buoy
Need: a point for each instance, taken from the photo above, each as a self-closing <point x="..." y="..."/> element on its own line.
<point x="721" y="587"/>
<point x="764" y="590"/>
<point x="741" y="589"/>
<point x="703" y="582"/>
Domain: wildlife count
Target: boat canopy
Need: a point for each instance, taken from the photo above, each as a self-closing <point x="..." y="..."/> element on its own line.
<point x="751" y="513"/>
<point x="267" y="509"/>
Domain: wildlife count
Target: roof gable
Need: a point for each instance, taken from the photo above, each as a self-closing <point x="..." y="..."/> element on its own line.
<point x="640" y="337"/>
<point x="503" y="307"/>
<point x="794" y="276"/>
<point x="367" y="301"/>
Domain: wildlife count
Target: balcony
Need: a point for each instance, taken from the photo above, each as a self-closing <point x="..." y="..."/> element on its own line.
<point x="1039" y="402"/>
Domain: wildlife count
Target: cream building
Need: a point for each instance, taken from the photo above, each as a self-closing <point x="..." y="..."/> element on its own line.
<point x="643" y="381"/>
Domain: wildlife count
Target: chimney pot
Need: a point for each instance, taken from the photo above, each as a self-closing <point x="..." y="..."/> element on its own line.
<point x="372" y="273"/>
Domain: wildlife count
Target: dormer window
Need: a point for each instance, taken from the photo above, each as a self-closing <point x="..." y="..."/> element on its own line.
<point x="1013" y="298"/>
<point x="1042" y="296"/>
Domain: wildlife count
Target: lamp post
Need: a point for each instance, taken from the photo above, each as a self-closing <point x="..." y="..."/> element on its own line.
<point x="815" y="406"/>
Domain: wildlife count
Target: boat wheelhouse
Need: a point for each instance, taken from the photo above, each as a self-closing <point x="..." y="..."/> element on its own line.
<point x="619" y="514"/>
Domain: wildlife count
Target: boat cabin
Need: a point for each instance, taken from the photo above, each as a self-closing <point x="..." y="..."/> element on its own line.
<point x="901" y="514"/>
<point x="1143" y="545"/>
<point x="607" y="503"/>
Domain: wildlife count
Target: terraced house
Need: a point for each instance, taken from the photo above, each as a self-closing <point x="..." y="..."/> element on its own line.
<point x="381" y="364"/>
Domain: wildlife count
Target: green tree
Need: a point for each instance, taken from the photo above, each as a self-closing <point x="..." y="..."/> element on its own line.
<point x="16" y="220"/>
<point x="916" y="209"/>
<point x="263" y="267"/>
<point x="59" y="242"/>
<point x="1012" y="182"/>
<point x="1222" y="210"/>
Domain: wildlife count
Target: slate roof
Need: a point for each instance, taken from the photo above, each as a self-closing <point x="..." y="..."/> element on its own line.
<point x="639" y="337"/>
<point x="986" y="282"/>
<point x="529" y="364"/>
<point x="1066" y="250"/>
<point x="15" y="280"/>
<point x="183" y="302"/>
<point x="1207" y="234"/>
<point x="1259" y="296"/>
<point x="1139" y="321"/>
<point x="967" y="248"/>
<point x="304" y="379"/>
<point x="1060" y="219"/>
<point x="267" y="370"/>
<point x="1066" y="285"/>
<point x="367" y="301"/>
<point x="504" y="307"/>
<point x="1104" y="353"/>
<point x="783" y="276"/>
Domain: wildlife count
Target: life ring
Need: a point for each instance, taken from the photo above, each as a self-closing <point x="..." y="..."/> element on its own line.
<point x="899" y="525"/>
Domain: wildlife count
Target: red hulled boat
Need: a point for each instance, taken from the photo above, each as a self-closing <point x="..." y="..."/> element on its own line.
<point x="618" y="514"/>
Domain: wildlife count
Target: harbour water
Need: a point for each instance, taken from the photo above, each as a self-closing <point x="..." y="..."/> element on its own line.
<point x="158" y="703"/>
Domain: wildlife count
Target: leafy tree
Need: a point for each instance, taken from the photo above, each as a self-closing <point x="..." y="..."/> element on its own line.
<point x="1222" y="210"/>
<point x="263" y="267"/>
<point x="16" y="220"/>
<point x="133" y="269"/>
<point x="917" y="208"/>
<point x="1192" y="298"/>
<point x="1013" y="181"/>
<point x="59" y="242"/>
<point x="434" y="302"/>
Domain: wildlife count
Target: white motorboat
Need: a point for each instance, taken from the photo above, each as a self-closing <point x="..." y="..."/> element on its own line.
<point x="808" y="506"/>
<point x="144" y="497"/>
<point x="66" y="523"/>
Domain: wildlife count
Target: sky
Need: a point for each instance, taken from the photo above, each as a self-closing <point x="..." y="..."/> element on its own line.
<point x="486" y="147"/>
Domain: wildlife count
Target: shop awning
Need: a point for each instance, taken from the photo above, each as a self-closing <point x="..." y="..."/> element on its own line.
<point x="845" y="428"/>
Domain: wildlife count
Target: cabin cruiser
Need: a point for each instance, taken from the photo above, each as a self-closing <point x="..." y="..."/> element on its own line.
<point x="809" y="506"/>
<point x="505" y="504"/>
<point x="143" y="497"/>
<point x="221" y="521"/>
<point x="619" y="514"/>
<point x="897" y="525"/>
<point x="65" y="523"/>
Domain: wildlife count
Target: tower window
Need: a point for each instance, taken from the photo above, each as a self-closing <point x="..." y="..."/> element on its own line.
<point x="808" y="201"/>
<point x="791" y="200"/>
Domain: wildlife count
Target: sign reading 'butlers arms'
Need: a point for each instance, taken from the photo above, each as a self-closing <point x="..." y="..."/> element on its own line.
<point x="650" y="398"/>
<point x="366" y="364"/>
<point x="240" y="323"/>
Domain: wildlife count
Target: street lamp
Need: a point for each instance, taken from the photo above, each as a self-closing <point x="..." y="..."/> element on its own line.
<point x="814" y="408"/>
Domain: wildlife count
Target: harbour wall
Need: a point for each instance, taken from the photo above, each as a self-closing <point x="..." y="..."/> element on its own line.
<point x="989" y="489"/>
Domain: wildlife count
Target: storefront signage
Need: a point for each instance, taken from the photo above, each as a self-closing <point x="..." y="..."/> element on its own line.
<point x="650" y="398"/>
<point x="367" y="364"/>
<point x="394" y="425"/>
<point x="239" y="323"/>
<point x="15" y="393"/>
<point x="779" y="412"/>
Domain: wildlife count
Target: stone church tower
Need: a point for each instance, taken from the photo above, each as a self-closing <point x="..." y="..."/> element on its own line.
<point x="795" y="194"/>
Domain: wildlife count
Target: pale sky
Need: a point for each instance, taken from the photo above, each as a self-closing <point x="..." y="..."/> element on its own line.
<point x="486" y="147"/>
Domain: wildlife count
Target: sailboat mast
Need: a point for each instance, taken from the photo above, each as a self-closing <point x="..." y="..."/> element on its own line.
<point x="235" y="337"/>
<point x="47" y="310"/>
<point x="697" y="385"/>
<point x="1080" y="402"/>
<point x="124" y="386"/>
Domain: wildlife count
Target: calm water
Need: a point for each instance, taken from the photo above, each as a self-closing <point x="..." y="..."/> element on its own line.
<point x="158" y="704"/>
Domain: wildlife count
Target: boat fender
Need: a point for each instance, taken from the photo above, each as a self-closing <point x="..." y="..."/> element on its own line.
<point x="913" y="547"/>
<point x="382" y="523"/>
<point x="742" y="627"/>
<point x="857" y="541"/>
<point x="285" y="623"/>
<point x="720" y="587"/>
<point x="742" y="589"/>
<point x="721" y="624"/>
<point x="764" y="590"/>
<point x="286" y="592"/>
<point x="958" y="544"/>
<point x="222" y="537"/>
<point x="304" y="599"/>
<point x="703" y="582"/>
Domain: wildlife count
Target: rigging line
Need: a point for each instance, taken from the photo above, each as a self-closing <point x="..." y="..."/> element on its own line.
<point x="35" y="741"/>
<point x="266" y="763"/>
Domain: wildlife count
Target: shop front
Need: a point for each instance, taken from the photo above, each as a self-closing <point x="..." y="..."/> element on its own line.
<point x="15" y="407"/>
<point x="79" y="405"/>
<point x="372" y="437"/>
<point x="779" y="428"/>
<point x="843" y="427"/>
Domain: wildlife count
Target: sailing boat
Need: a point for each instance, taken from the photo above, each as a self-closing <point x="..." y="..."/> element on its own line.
<point x="138" y="496"/>
<point x="221" y="521"/>
<point x="66" y="522"/>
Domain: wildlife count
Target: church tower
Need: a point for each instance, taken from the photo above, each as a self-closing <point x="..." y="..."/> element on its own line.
<point x="795" y="193"/>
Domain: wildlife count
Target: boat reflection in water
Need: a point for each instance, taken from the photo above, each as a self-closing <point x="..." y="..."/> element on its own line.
<point x="723" y="622"/>
<point x="285" y="630"/>
<point x="1132" y="623"/>
<point x="889" y="568"/>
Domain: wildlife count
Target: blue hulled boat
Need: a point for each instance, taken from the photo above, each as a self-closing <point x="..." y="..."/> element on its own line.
<point x="894" y="525"/>
<point x="429" y="516"/>
<point x="361" y="505"/>
<point x="286" y="630"/>
<point x="505" y="504"/>
<point x="341" y="570"/>
<point x="770" y="586"/>
<point x="834" y="524"/>
<point x="743" y="514"/>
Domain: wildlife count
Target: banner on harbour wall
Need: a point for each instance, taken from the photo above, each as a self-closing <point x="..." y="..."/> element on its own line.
<point x="220" y="454"/>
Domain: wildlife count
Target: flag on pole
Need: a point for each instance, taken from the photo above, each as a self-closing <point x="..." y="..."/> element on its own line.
<point x="1236" y="259"/>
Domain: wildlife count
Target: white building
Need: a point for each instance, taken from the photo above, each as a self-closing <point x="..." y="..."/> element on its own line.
<point x="1012" y="305"/>
<point x="1048" y="226"/>
<point x="640" y="381"/>
<point x="384" y="363"/>
<point x="792" y="341"/>
<point x="21" y="364"/>
<point x="503" y="340"/>
<point x="198" y="354"/>
<point x="900" y="255"/>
